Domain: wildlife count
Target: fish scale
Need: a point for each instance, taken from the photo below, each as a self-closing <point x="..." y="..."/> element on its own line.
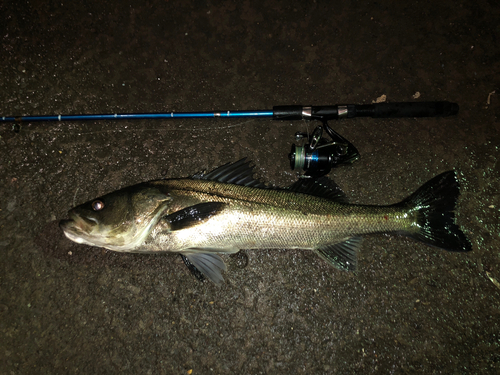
<point x="268" y="218"/>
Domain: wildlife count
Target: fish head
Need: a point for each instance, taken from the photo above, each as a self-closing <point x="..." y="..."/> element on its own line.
<point x="117" y="221"/>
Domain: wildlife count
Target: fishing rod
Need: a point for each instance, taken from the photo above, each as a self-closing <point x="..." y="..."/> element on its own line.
<point x="318" y="156"/>
<point x="287" y="112"/>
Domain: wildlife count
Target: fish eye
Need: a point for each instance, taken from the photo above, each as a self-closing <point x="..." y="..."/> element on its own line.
<point x="97" y="205"/>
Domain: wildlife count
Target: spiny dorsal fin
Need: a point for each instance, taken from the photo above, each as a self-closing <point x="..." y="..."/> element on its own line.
<point x="193" y="215"/>
<point x="238" y="173"/>
<point x="342" y="255"/>
<point x="321" y="187"/>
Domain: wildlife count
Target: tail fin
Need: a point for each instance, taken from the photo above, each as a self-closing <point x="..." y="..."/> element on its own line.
<point x="435" y="202"/>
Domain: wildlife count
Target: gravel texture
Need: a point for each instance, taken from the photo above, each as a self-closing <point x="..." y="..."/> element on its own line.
<point x="410" y="308"/>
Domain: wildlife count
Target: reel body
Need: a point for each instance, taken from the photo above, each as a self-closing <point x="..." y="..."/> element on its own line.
<point x="317" y="157"/>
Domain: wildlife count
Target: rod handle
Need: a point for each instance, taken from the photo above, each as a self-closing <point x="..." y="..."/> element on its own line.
<point x="376" y="110"/>
<point x="407" y="109"/>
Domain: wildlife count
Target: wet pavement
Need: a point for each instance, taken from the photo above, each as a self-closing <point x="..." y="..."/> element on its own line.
<point x="410" y="308"/>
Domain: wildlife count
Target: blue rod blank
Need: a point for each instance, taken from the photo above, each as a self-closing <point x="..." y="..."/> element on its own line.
<point x="138" y="116"/>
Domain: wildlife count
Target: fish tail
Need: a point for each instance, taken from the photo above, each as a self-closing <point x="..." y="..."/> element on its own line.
<point x="435" y="203"/>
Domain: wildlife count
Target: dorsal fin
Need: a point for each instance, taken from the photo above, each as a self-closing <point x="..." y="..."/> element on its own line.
<point x="238" y="173"/>
<point x="321" y="187"/>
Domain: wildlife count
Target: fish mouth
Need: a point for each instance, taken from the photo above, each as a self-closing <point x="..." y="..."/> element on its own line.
<point x="66" y="224"/>
<point x="77" y="227"/>
<point x="75" y="233"/>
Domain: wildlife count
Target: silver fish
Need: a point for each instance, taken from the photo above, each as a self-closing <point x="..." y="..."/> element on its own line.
<point x="227" y="210"/>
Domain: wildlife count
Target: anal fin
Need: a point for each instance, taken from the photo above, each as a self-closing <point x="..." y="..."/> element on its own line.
<point x="341" y="255"/>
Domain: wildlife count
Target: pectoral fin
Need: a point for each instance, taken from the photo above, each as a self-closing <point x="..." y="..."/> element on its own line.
<point x="209" y="264"/>
<point x="342" y="255"/>
<point x="193" y="215"/>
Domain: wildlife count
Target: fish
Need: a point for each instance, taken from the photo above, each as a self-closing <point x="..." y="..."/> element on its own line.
<point x="228" y="210"/>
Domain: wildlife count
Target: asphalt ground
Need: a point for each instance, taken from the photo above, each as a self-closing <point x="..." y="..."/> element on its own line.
<point x="409" y="308"/>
